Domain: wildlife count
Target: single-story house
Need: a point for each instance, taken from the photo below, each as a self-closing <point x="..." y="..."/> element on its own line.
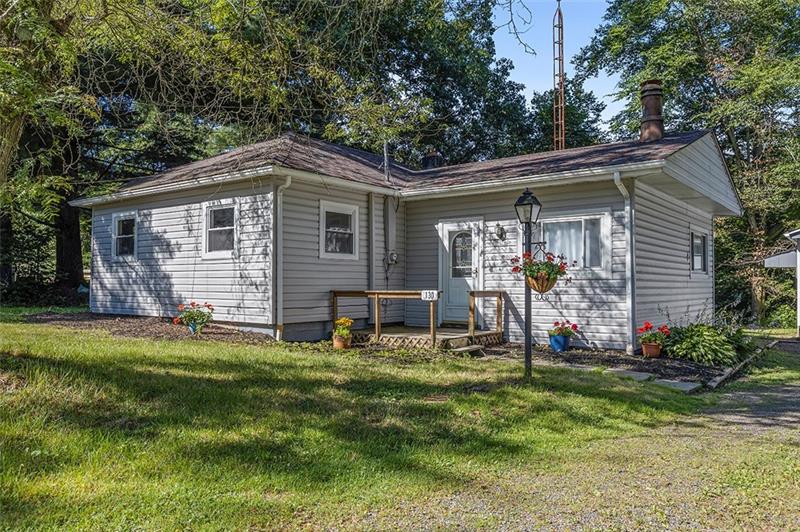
<point x="789" y="259"/>
<point x="266" y="231"/>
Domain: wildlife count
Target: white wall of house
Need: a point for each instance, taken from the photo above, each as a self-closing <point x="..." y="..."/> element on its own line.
<point x="596" y="300"/>
<point x="169" y="266"/>
<point x="309" y="276"/>
<point x="665" y="282"/>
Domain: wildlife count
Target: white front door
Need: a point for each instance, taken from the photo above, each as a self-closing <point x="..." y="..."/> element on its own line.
<point x="460" y="268"/>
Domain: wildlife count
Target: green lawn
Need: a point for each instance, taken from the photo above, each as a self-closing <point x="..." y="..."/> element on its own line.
<point x="100" y="432"/>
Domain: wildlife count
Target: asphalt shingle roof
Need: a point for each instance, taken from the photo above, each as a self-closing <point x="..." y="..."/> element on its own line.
<point x="334" y="160"/>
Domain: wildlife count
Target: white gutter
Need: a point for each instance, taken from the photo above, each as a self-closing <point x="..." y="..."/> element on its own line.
<point x="231" y="177"/>
<point x="277" y="256"/>
<point x="589" y="174"/>
<point x="630" y="264"/>
<point x="499" y="185"/>
<point x="228" y="177"/>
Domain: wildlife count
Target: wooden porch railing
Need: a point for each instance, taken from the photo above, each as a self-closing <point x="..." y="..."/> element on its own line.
<point x="377" y="296"/>
<point x="475" y="294"/>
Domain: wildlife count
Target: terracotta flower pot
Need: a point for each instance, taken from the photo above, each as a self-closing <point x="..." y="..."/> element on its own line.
<point x="541" y="283"/>
<point x="342" y="342"/>
<point x="651" y="350"/>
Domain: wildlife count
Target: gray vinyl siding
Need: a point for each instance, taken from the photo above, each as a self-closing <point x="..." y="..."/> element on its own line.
<point x="701" y="167"/>
<point x="665" y="284"/>
<point x="308" y="279"/>
<point x="597" y="303"/>
<point x="393" y="309"/>
<point x="169" y="268"/>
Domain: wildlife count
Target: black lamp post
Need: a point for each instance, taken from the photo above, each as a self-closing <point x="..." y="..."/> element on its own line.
<point x="528" y="209"/>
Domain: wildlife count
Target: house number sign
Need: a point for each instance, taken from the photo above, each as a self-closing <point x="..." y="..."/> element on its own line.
<point x="430" y="295"/>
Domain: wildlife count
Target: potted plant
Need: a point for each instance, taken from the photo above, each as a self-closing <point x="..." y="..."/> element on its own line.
<point x="560" y="335"/>
<point x="541" y="275"/>
<point x="652" y="339"/>
<point x="194" y="316"/>
<point x="341" y="334"/>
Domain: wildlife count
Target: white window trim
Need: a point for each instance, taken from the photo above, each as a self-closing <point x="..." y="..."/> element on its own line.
<point x="604" y="271"/>
<point x="342" y="208"/>
<point x="707" y="251"/>
<point x="126" y="215"/>
<point x="207" y="207"/>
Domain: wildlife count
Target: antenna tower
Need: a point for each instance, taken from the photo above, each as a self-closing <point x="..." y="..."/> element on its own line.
<point x="559" y="105"/>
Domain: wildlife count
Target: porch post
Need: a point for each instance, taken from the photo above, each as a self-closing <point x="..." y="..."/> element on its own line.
<point x="377" y="317"/>
<point x="432" y="305"/>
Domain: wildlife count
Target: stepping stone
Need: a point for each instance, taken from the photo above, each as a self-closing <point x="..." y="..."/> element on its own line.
<point x="638" y="376"/>
<point x="681" y="386"/>
<point x="579" y="367"/>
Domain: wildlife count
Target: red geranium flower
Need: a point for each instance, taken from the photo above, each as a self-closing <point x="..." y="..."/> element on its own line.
<point x="574" y="326"/>
<point x="556" y="324"/>
<point x="516" y="269"/>
<point x="176" y="320"/>
<point x="526" y="255"/>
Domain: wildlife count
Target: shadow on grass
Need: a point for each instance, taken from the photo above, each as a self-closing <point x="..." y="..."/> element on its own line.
<point x="313" y="422"/>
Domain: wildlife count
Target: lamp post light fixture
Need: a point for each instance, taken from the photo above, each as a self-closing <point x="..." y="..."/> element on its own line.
<point x="528" y="209"/>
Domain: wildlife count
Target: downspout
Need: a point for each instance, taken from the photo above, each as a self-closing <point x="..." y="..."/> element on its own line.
<point x="277" y="256"/>
<point x="630" y="264"/>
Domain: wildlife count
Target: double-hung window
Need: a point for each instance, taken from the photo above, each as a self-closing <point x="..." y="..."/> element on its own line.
<point x="220" y="229"/>
<point x="338" y="230"/>
<point x="123" y="232"/>
<point x="699" y="252"/>
<point x="582" y="239"/>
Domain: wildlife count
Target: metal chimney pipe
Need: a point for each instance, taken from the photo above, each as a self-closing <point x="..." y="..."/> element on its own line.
<point x="652" y="127"/>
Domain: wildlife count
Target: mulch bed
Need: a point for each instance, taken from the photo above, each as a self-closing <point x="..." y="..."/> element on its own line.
<point x="163" y="329"/>
<point x="147" y="327"/>
<point x="663" y="367"/>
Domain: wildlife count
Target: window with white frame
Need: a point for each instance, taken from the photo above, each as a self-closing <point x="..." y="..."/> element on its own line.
<point x="338" y="230"/>
<point x="585" y="239"/>
<point x="220" y="229"/>
<point x="123" y="233"/>
<point x="699" y="252"/>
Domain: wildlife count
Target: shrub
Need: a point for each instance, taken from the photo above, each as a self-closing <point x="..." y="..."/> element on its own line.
<point x="702" y="343"/>
<point x="784" y="317"/>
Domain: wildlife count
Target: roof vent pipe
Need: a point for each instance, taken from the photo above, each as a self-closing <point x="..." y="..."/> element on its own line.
<point x="652" y="127"/>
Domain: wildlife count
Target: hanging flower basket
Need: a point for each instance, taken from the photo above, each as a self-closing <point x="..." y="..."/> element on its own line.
<point x="541" y="275"/>
<point x="541" y="282"/>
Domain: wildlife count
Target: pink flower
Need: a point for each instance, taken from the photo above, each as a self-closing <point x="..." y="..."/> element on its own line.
<point x="556" y="324"/>
<point x="574" y="326"/>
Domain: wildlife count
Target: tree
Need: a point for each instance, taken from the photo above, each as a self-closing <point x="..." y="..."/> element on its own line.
<point x="583" y="111"/>
<point x="731" y="66"/>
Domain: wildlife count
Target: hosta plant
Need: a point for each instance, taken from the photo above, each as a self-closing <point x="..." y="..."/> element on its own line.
<point x="702" y="343"/>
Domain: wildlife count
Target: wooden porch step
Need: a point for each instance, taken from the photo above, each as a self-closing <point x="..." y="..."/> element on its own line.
<point x="471" y="350"/>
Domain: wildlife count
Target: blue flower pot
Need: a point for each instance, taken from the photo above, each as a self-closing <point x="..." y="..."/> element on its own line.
<point x="559" y="343"/>
<point x="192" y="328"/>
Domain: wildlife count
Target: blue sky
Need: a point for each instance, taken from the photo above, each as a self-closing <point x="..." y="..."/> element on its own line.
<point x="581" y="17"/>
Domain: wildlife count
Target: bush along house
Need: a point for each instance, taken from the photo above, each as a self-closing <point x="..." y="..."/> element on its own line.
<point x="265" y="232"/>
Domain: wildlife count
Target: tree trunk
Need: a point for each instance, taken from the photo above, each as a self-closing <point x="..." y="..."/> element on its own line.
<point x="757" y="299"/>
<point x="10" y="133"/>
<point x="6" y="235"/>
<point x="69" y="255"/>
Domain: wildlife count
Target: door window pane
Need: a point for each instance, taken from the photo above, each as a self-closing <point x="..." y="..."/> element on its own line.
<point x="461" y="253"/>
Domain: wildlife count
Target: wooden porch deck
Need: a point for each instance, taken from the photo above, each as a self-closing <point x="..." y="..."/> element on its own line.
<point x="411" y="337"/>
